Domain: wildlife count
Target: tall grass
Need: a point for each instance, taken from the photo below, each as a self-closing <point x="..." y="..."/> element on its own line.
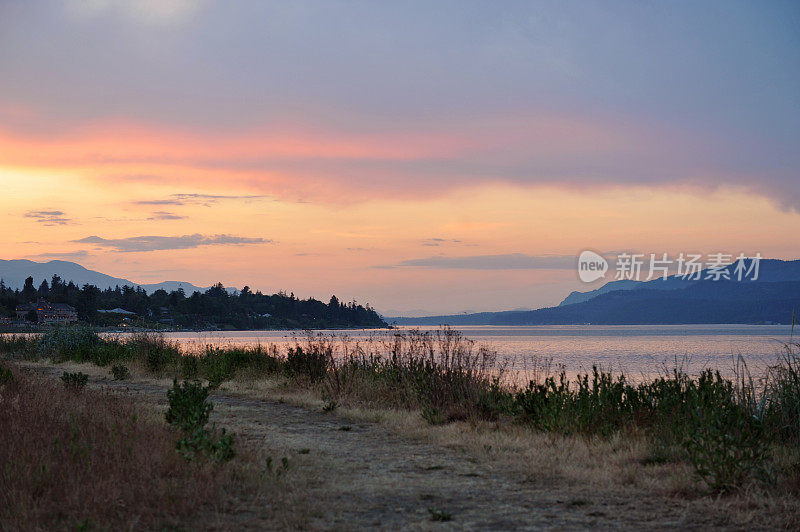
<point x="780" y="402"/>
<point x="92" y="461"/>
<point x="441" y="372"/>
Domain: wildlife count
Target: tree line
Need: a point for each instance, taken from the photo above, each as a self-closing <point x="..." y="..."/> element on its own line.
<point x="217" y="307"/>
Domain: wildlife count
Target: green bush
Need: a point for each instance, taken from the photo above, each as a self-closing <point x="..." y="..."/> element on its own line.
<point x="189" y="410"/>
<point x="276" y="471"/>
<point x="703" y="418"/>
<point x="781" y="401"/>
<point x="75" y="381"/>
<point x="19" y="344"/>
<point x="120" y="372"/>
<point x="79" y="344"/>
<point x="203" y="442"/>
<point x="726" y="446"/>
<point x="438" y="514"/>
<point x="263" y="362"/>
<point x="723" y="439"/>
<point x="6" y="377"/>
<point x="311" y="365"/>
<point x="189" y="407"/>
<point x="155" y="351"/>
<point x="433" y="416"/>
<point x="217" y="367"/>
<point x="154" y="361"/>
<point x="190" y="367"/>
<point x="496" y="401"/>
<point x="599" y="406"/>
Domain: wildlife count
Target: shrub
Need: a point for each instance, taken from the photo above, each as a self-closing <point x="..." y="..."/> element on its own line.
<point x="724" y="441"/>
<point x="189" y="407"/>
<point x="276" y="471"/>
<point x="202" y="441"/>
<point x="155" y="351"/>
<point x="6" y="377"/>
<point x="433" y="416"/>
<point x="262" y="362"/>
<point x="222" y="450"/>
<point x="726" y="447"/>
<point x="438" y="514"/>
<point x="75" y="381"/>
<point x="79" y="344"/>
<point x="310" y="365"/>
<point x="781" y="401"/>
<point x="445" y="372"/>
<point x="189" y="410"/>
<point x="19" y="344"/>
<point x="217" y="368"/>
<point x="190" y="367"/>
<point x="556" y="406"/>
<point x="496" y="401"/>
<point x="154" y="361"/>
<point x="120" y="372"/>
<point x="705" y="417"/>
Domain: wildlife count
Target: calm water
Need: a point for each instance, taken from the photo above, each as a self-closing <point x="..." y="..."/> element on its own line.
<point x="638" y="350"/>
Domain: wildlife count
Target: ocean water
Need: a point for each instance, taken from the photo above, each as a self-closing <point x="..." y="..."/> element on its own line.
<point x="640" y="351"/>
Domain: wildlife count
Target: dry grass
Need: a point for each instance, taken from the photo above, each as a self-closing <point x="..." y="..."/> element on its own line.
<point x="595" y="467"/>
<point x="451" y="379"/>
<point x="92" y="460"/>
<point x="598" y="469"/>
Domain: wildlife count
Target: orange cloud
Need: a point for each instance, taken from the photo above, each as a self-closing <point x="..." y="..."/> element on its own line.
<point x="111" y="143"/>
<point x="308" y="163"/>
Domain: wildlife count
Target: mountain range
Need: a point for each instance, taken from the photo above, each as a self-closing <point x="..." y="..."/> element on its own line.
<point x="14" y="272"/>
<point x="773" y="298"/>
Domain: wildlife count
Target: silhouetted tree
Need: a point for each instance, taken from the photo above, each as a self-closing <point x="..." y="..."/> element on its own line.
<point x="214" y="308"/>
<point x="28" y="291"/>
<point x="44" y="290"/>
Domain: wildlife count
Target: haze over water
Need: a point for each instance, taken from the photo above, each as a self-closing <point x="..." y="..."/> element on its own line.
<point x="637" y="350"/>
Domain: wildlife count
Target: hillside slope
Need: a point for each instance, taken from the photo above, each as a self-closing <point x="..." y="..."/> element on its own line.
<point x="771" y="299"/>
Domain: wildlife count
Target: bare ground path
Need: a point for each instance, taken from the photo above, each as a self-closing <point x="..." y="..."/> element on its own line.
<point x="358" y="475"/>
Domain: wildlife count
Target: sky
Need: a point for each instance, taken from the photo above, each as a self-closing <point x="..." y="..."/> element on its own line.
<point x="422" y="157"/>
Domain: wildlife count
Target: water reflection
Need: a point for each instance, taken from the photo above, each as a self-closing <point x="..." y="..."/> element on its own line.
<point x="641" y="351"/>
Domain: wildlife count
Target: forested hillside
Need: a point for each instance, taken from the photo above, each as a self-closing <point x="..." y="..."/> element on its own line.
<point x="214" y="308"/>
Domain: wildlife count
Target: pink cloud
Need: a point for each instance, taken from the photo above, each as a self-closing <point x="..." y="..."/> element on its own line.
<point x="319" y="164"/>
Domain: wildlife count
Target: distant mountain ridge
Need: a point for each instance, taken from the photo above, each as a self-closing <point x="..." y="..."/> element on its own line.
<point x="770" y="271"/>
<point x="773" y="298"/>
<point x="580" y="297"/>
<point x="14" y="272"/>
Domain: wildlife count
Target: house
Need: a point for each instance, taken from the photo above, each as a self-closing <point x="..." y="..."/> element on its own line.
<point x="47" y="312"/>
<point x="23" y="310"/>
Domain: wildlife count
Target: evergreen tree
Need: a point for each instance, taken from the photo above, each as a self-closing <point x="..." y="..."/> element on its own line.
<point x="28" y="291"/>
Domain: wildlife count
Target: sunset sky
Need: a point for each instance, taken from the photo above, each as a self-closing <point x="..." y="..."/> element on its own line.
<point x="423" y="157"/>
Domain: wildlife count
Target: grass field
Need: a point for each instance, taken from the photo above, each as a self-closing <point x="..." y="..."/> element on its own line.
<point x="708" y="435"/>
